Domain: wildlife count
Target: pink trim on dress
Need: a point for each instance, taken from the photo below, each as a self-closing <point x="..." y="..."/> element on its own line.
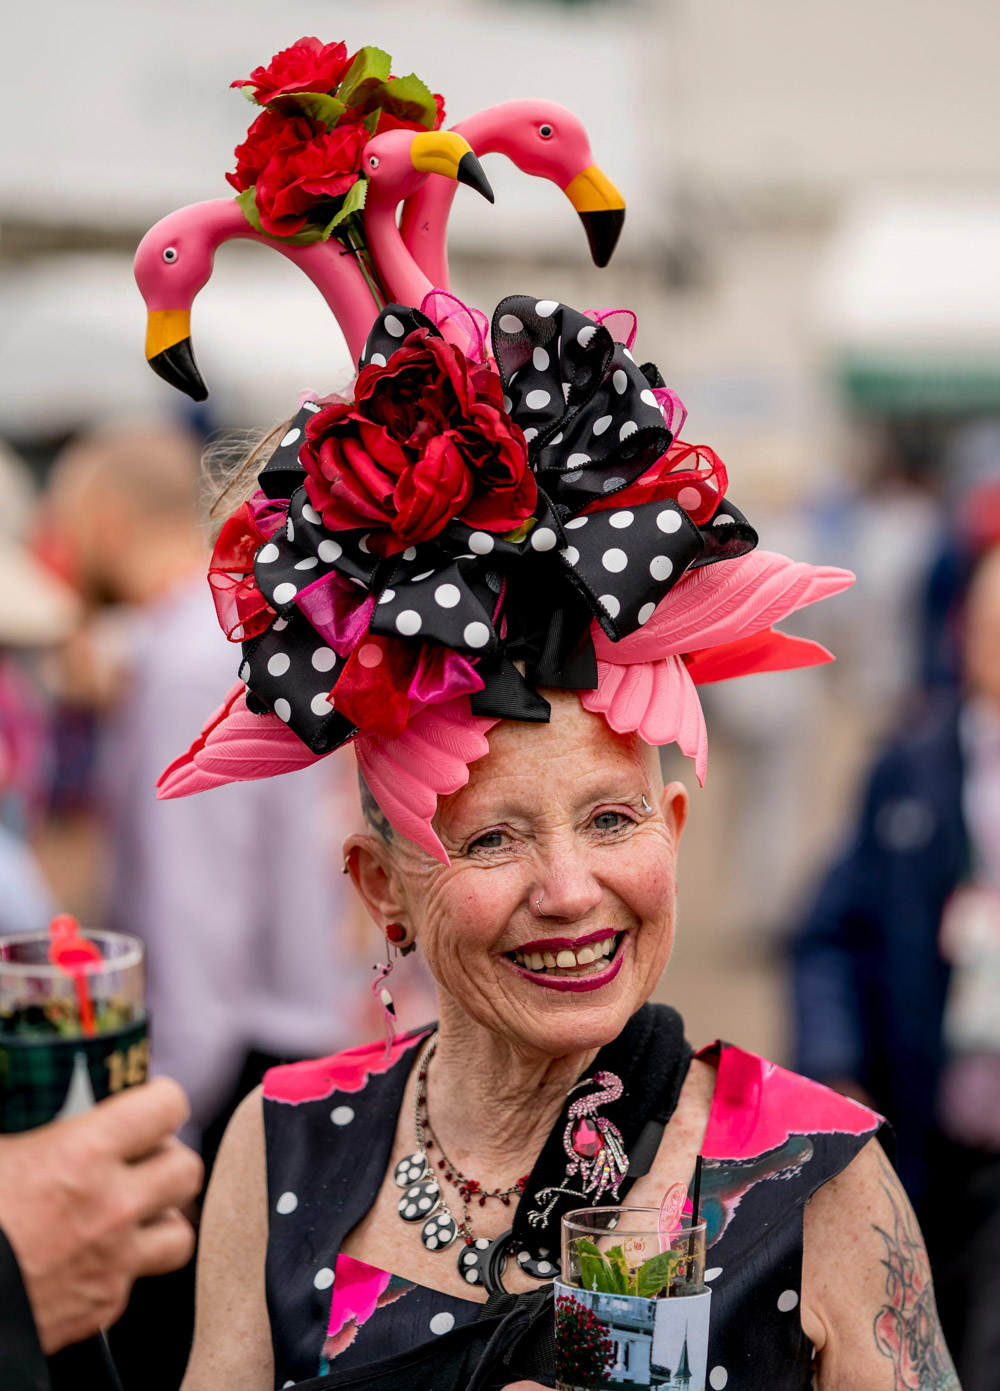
<point x="758" y="1106"/>
<point x="317" y="1078"/>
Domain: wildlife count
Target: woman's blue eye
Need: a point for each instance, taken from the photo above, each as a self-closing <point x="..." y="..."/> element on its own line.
<point x="492" y="840"/>
<point x="609" y="820"/>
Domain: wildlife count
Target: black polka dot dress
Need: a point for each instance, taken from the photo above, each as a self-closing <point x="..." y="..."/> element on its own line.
<point x="772" y="1139"/>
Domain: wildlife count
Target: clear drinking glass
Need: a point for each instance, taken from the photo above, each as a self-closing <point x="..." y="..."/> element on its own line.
<point x="70" y="1034"/>
<point x="632" y="1307"/>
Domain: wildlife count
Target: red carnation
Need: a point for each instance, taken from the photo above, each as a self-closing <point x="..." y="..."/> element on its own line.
<point x="308" y="66"/>
<point x="425" y="440"/>
<point x="297" y="178"/>
<point x="272" y="133"/>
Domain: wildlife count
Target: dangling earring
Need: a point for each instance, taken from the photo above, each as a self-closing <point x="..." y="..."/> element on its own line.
<point x="395" y="933"/>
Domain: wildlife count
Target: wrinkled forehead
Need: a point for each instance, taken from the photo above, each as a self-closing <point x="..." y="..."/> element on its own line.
<point x="531" y="762"/>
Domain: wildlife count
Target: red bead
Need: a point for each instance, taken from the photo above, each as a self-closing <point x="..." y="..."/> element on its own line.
<point x="586" y="1139"/>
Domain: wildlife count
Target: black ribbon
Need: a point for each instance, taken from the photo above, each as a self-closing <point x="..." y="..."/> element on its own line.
<point x="593" y="427"/>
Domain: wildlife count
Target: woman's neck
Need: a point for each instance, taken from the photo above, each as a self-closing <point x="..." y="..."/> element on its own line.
<point x="491" y="1105"/>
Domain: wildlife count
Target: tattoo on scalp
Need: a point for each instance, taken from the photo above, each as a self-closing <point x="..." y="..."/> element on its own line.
<point x="373" y="813"/>
<point x="906" y="1328"/>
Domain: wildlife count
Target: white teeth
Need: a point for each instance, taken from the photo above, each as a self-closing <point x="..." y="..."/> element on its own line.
<point x="565" y="959"/>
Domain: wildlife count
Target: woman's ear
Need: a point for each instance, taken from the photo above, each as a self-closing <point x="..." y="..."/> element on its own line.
<point x="674" y="806"/>
<point x="370" y="865"/>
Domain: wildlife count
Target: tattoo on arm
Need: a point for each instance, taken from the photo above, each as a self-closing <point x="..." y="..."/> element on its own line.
<point x="906" y="1328"/>
<point x="373" y="813"/>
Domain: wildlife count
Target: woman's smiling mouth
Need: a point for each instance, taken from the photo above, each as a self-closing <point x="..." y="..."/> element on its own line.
<point x="560" y="963"/>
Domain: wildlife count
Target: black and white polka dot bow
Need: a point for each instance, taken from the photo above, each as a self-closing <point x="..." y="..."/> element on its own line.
<point x="593" y="427"/>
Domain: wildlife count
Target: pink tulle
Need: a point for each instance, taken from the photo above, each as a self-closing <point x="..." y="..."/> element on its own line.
<point x="469" y="327"/>
<point x="622" y="324"/>
<point x="673" y="408"/>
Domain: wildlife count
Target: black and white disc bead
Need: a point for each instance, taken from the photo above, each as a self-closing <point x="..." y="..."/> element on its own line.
<point x="439" y="1231"/>
<point x="543" y="1266"/>
<point x="472" y="1261"/>
<point x="419" y="1201"/>
<point x="410" y="1170"/>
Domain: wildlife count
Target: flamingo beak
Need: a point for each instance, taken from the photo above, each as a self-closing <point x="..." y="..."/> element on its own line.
<point x="169" y="351"/>
<point x="602" y="211"/>
<point x="448" y="153"/>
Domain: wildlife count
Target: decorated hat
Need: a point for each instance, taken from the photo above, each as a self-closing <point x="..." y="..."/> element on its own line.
<point x="474" y="526"/>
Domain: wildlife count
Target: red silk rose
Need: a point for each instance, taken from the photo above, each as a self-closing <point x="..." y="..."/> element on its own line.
<point x="273" y="133"/>
<point x="295" y="178"/>
<point x="426" y="439"/>
<point x="308" y="66"/>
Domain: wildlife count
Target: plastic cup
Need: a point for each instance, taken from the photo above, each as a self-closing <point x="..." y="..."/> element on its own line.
<point x="632" y="1308"/>
<point x="68" y="1038"/>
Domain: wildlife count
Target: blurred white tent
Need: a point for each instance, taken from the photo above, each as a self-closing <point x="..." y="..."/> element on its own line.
<point x="72" y="330"/>
<point x="909" y="302"/>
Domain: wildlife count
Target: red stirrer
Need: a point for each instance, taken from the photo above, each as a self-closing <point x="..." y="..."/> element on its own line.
<point x="72" y="954"/>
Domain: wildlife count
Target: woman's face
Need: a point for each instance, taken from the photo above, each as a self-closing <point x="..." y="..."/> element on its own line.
<point x="553" y="813"/>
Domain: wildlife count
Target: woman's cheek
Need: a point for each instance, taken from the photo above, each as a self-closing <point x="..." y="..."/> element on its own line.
<point x="646" y="883"/>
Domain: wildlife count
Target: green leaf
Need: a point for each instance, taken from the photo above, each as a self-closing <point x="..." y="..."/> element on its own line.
<point x="247" y="93"/>
<point x="317" y="105"/>
<point x="407" y="98"/>
<point x="595" y="1272"/>
<point x="354" y="201"/>
<point x="621" y="1272"/>
<point x="655" y="1273"/>
<point x="247" y="201"/>
<point x="311" y="232"/>
<point x="368" y="72"/>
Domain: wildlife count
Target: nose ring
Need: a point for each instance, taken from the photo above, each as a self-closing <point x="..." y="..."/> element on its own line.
<point x="538" y="903"/>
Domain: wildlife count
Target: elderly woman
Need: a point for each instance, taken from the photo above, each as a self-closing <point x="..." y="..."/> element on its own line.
<point x="504" y="647"/>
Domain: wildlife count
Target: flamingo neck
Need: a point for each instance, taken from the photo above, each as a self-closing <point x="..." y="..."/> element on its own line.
<point x="331" y="268"/>
<point x="403" y="279"/>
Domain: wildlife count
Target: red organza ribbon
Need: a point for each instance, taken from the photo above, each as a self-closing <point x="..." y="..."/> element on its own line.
<point x="242" y="610"/>
<point x="692" y="475"/>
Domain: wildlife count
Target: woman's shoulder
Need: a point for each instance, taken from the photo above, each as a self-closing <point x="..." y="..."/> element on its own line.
<point x="759" y="1107"/>
<point x="351" y="1070"/>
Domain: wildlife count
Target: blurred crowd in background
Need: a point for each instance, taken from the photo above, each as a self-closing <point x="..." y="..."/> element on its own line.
<point x="812" y="248"/>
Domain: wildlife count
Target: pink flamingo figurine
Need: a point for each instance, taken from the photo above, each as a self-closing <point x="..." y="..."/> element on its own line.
<point x="175" y="257"/>
<point x="174" y="261"/>
<point x="543" y="139"/>
<point x="397" y="164"/>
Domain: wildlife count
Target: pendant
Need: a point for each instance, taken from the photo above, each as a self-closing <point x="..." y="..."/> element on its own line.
<point x="543" y="1266"/>
<point x="439" y="1231"/>
<point x="410" y="1170"/>
<point x="472" y="1261"/>
<point x="419" y="1201"/>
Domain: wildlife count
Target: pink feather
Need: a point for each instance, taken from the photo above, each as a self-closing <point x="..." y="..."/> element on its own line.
<point x="657" y="700"/>
<point x="721" y="603"/>
<point x="430" y="759"/>
<point x="234" y="746"/>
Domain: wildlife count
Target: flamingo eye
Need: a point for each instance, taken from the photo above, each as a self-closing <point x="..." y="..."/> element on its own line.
<point x="373" y="161"/>
<point x="170" y="254"/>
<point x="546" y="132"/>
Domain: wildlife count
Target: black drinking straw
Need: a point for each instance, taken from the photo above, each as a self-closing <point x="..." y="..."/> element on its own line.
<point x="695" y="1205"/>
